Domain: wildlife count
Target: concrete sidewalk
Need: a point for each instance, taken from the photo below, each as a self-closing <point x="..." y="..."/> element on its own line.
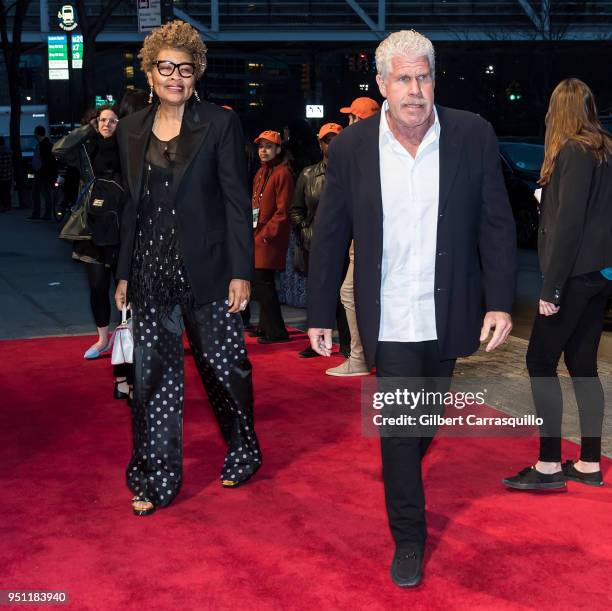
<point x="43" y="291"/>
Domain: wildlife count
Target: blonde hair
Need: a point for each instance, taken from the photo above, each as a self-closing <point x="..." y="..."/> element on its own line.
<point x="173" y="35"/>
<point x="404" y="42"/>
<point x="572" y="116"/>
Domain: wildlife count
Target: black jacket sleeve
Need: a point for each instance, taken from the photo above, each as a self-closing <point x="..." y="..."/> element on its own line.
<point x="67" y="149"/>
<point x="233" y="180"/>
<point x="298" y="211"/>
<point x="575" y="168"/>
<point x="332" y="233"/>
<point x="128" y="216"/>
<point x="497" y="232"/>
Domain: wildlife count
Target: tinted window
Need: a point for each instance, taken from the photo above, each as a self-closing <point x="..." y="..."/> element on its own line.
<point x="526" y="157"/>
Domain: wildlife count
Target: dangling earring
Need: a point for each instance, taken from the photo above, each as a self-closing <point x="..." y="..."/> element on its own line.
<point x="197" y="97"/>
<point x="151" y="95"/>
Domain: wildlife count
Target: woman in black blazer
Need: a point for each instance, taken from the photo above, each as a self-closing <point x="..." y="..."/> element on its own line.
<point x="186" y="261"/>
<point x="575" y="252"/>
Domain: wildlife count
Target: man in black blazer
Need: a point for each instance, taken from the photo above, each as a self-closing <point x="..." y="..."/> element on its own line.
<point x="419" y="188"/>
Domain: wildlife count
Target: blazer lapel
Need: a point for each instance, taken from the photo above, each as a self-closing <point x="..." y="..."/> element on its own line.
<point x="192" y="135"/>
<point x="368" y="155"/>
<point x="449" y="158"/>
<point x="137" y="146"/>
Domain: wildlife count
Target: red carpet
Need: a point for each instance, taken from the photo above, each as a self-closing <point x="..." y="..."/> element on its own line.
<point x="309" y="532"/>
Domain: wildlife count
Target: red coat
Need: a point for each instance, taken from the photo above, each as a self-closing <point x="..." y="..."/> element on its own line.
<point x="273" y="226"/>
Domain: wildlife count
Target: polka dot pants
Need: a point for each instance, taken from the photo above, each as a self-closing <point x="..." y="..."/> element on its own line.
<point x="217" y="343"/>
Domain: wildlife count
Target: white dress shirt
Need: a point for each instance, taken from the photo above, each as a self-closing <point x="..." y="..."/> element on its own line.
<point x="410" y="188"/>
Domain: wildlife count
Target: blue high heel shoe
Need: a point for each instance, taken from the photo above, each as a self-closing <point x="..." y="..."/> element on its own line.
<point x="93" y="353"/>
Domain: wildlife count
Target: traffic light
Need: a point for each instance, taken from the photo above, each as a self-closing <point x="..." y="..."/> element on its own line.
<point x="513" y="92"/>
<point x="305" y="78"/>
<point x="364" y="65"/>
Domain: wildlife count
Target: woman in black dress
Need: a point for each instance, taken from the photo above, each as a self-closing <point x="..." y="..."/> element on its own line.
<point x="186" y="262"/>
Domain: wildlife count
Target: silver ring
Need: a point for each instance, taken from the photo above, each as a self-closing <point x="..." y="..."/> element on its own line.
<point x="243" y="304"/>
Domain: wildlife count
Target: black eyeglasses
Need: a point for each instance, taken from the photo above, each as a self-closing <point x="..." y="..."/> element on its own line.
<point x="166" y="68"/>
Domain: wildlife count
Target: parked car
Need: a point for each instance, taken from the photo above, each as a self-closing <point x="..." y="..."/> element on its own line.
<point x="606" y="122"/>
<point x="521" y="161"/>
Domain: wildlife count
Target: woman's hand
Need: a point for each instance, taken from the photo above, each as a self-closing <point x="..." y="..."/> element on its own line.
<point x="238" y="295"/>
<point x="547" y="308"/>
<point x="121" y="294"/>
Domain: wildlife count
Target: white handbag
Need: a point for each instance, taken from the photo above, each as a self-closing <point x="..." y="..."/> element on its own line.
<point x="123" y="344"/>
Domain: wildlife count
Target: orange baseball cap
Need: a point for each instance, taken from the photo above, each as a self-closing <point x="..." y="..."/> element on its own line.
<point x="270" y="135"/>
<point x="362" y="108"/>
<point x="329" y="128"/>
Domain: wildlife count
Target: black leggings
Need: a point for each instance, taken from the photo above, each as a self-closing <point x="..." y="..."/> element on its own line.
<point x="99" y="277"/>
<point x="574" y="331"/>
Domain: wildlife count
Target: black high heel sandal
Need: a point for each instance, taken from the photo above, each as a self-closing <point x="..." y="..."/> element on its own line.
<point x="118" y="394"/>
<point x="143" y="512"/>
<point x="233" y="483"/>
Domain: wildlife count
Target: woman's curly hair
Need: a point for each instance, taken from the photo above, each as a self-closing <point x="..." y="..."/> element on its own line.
<point x="173" y="35"/>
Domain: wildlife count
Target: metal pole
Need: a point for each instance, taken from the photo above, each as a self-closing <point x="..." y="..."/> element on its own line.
<point x="382" y="15"/>
<point x="214" y="15"/>
<point x="44" y="15"/>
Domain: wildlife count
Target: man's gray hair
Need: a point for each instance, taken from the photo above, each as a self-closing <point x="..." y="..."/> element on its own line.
<point x="404" y="42"/>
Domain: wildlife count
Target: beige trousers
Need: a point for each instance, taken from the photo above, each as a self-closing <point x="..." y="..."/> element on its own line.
<point x="347" y="297"/>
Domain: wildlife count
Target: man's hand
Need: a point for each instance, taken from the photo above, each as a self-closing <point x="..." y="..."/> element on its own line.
<point x="238" y="295"/>
<point x="501" y="322"/>
<point x="321" y="341"/>
<point x="121" y="294"/>
<point x="547" y="308"/>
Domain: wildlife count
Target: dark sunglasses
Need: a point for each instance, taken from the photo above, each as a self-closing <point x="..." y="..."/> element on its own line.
<point x="166" y="68"/>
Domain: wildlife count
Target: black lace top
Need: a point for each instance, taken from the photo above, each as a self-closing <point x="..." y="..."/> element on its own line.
<point x="158" y="278"/>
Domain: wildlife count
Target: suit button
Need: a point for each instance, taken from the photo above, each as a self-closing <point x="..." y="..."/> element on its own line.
<point x="439" y="290"/>
<point x="441" y="214"/>
<point x="378" y="267"/>
<point x="378" y="302"/>
<point x="442" y="252"/>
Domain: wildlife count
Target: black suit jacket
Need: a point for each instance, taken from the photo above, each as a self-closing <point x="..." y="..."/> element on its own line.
<point x="211" y="197"/>
<point x="576" y="223"/>
<point x="476" y="241"/>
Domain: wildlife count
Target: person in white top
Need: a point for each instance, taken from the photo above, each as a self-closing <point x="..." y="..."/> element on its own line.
<point x="420" y="189"/>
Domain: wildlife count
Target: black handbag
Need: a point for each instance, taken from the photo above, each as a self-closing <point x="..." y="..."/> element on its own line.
<point x="75" y="228"/>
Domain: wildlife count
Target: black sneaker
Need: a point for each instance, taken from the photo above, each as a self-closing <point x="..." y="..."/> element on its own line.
<point x="590" y="479"/>
<point x="407" y="566"/>
<point x="532" y="479"/>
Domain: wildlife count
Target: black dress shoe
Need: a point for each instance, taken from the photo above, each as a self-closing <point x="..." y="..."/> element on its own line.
<point x="273" y="340"/>
<point x="308" y="353"/>
<point x="255" y="332"/>
<point x="590" y="479"/>
<point x="532" y="479"/>
<point x="407" y="566"/>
